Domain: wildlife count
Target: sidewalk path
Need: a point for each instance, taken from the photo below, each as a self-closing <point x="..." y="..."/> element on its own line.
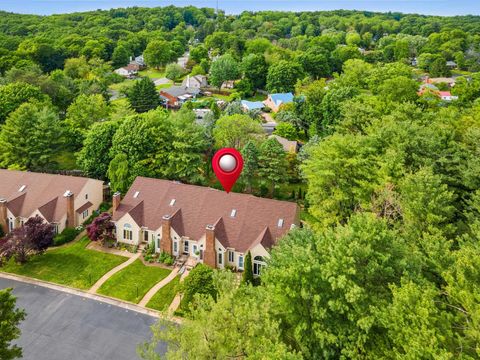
<point x="108" y="275"/>
<point x="148" y="296"/>
<point x="178" y="298"/>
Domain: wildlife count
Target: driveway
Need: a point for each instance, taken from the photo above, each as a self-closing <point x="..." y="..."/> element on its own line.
<point x="62" y="326"/>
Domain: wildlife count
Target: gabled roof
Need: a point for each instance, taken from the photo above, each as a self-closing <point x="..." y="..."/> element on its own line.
<point x="195" y="207"/>
<point x="288" y="145"/>
<point x="282" y="98"/>
<point x="177" y="91"/>
<point x="43" y="192"/>
<point x="252" y="105"/>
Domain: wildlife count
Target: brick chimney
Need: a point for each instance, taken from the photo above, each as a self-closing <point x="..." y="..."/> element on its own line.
<point x="209" y="253"/>
<point x="166" y="241"/>
<point x="3" y="215"/>
<point x="70" y="208"/>
<point x="116" y="198"/>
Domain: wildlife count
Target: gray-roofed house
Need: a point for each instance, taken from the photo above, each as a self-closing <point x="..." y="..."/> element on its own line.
<point x="206" y="225"/>
<point x="64" y="201"/>
<point x="197" y="81"/>
<point x="175" y="96"/>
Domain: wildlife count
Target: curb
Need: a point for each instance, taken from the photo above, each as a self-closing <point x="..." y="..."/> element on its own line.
<point x="105" y="299"/>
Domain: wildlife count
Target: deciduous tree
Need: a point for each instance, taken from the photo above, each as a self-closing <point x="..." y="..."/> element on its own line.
<point x="10" y="318"/>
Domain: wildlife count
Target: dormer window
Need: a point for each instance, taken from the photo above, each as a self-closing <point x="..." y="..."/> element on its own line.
<point x="233" y="213"/>
<point x="172" y="202"/>
<point x="136" y="194"/>
<point x="22" y="188"/>
<point x="280" y="223"/>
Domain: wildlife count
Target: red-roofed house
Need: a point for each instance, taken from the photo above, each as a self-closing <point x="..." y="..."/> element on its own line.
<point x="64" y="201"/>
<point x="205" y="224"/>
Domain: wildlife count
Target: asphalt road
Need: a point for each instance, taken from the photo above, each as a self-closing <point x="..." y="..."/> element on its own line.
<point x="62" y="326"/>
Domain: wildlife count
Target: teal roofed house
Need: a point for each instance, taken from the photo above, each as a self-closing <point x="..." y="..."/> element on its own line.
<point x="274" y="101"/>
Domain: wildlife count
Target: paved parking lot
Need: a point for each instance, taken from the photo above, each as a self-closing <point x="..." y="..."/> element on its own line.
<point x="62" y="326"/>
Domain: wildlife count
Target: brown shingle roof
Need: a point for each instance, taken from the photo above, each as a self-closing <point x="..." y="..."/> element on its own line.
<point x="84" y="207"/>
<point x="202" y="206"/>
<point x="41" y="191"/>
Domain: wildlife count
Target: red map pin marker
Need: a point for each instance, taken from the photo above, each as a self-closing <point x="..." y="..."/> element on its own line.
<point x="227" y="164"/>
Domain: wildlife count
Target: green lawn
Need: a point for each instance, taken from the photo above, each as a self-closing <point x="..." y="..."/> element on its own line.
<point x="122" y="85"/>
<point x="133" y="282"/>
<point x="72" y="265"/>
<point x="164" y="297"/>
<point x="152" y="73"/>
<point x="164" y="86"/>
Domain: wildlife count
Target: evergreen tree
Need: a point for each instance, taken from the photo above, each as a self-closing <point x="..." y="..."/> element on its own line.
<point x="143" y="96"/>
<point x="250" y="163"/>
<point x="247" y="276"/>
<point x="272" y="163"/>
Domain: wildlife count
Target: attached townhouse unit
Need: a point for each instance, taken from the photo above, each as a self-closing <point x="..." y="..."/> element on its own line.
<point x="204" y="224"/>
<point x="64" y="201"/>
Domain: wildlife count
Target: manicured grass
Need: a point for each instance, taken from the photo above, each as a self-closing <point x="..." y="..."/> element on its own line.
<point x="122" y="85"/>
<point x="164" y="297"/>
<point x="133" y="282"/>
<point x="152" y="73"/>
<point x="72" y="265"/>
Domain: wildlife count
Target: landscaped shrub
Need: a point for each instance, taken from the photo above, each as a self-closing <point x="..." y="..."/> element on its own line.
<point x="166" y="258"/>
<point x="199" y="281"/>
<point x="67" y="235"/>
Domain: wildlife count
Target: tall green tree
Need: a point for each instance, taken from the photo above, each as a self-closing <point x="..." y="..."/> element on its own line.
<point x="158" y="53"/>
<point x="250" y="163"/>
<point x="272" y="163"/>
<point x="14" y="94"/>
<point x="119" y="173"/>
<point x="283" y="75"/>
<point x="235" y="131"/>
<point x="95" y="156"/>
<point x="247" y="276"/>
<point x="30" y="138"/>
<point x="143" y="96"/>
<point x="87" y="110"/>
<point x="121" y="56"/>
<point x="223" y="69"/>
<point x="254" y="69"/>
<point x="10" y="318"/>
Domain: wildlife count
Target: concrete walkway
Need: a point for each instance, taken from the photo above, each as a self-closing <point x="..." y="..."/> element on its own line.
<point x="178" y="298"/>
<point x="148" y="296"/>
<point x="108" y="275"/>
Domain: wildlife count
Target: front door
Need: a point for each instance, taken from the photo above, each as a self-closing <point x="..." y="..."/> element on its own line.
<point x="186" y="248"/>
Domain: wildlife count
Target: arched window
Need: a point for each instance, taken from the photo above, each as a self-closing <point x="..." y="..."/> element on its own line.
<point x="258" y="263"/>
<point x="127" y="232"/>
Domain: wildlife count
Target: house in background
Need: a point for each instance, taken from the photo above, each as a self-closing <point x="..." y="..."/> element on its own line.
<point x="252" y="105"/>
<point x="139" y="61"/>
<point x="274" y="101"/>
<point x="451" y="64"/>
<point x="64" y="201"/>
<point x="197" y="82"/>
<point x="288" y="145"/>
<point x="202" y="224"/>
<point x="447" y="96"/>
<point x="130" y="71"/>
<point x="175" y="96"/>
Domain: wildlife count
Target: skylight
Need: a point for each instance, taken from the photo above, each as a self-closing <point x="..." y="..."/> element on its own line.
<point x="136" y="194"/>
<point x="280" y="223"/>
<point x="22" y="188"/>
<point x="233" y="213"/>
<point x="172" y="202"/>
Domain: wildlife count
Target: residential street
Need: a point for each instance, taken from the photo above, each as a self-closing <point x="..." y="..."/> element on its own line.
<point x="64" y="326"/>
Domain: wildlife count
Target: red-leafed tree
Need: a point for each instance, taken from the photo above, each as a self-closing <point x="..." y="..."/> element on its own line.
<point x="34" y="237"/>
<point x="101" y="229"/>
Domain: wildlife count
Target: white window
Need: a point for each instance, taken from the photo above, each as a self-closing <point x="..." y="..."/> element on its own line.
<point x="231" y="256"/>
<point x="172" y="202"/>
<point x="186" y="247"/>
<point x="55" y="228"/>
<point x="127" y="232"/>
<point x="280" y="223"/>
<point x="22" y="188"/>
<point x="86" y="196"/>
<point x="85" y="214"/>
<point x="220" y="258"/>
<point x="11" y="224"/>
<point x="258" y="263"/>
<point x="175" y="246"/>
<point x="194" y="249"/>
<point x="240" y="261"/>
<point x="136" y="194"/>
<point x="233" y="213"/>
